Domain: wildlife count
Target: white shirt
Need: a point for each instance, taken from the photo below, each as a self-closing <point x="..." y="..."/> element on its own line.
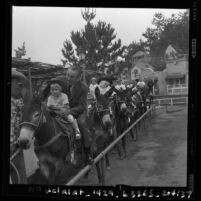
<point x="120" y="86"/>
<point x="141" y="84"/>
<point x="59" y="101"/>
<point x="92" y="89"/>
<point x="103" y="90"/>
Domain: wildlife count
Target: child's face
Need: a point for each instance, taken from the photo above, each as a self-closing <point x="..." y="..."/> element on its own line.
<point x="93" y="82"/>
<point x="102" y="84"/>
<point x="55" y="90"/>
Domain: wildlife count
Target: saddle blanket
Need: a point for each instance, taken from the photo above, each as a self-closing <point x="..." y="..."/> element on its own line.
<point x="63" y="126"/>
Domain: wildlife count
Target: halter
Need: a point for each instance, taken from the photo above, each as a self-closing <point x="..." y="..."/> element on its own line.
<point x="119" y="101"/>
<point x="36" y="126"/>
<point x="100" y="111"/>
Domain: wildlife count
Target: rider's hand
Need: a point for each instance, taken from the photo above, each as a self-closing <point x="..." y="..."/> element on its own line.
<point x="70" y="118"/>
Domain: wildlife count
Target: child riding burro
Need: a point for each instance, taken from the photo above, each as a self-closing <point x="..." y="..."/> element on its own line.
<point x="58" y="103"/>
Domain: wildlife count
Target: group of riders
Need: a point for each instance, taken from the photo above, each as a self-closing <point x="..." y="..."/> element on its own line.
<point x="66" y="100"/>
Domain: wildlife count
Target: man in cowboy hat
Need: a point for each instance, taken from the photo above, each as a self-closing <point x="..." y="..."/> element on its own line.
<point x="19" y="82"/>
<point x="18" y="91"/>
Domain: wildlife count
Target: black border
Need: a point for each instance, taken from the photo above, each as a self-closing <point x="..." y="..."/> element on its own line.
<point x="36" y="190"/>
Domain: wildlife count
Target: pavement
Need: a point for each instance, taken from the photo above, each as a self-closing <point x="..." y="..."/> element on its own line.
<point x="157" y="158"/>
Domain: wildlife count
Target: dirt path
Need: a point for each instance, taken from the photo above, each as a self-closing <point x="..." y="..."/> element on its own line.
<point x="157" y="158"/>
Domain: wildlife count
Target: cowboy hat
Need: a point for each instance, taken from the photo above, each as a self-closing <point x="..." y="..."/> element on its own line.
<point x="18" y="75"/>
<point x="103" y="79"/>
<point x="109" y="79"/>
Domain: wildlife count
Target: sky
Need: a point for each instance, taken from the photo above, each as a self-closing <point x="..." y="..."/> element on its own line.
<point x="44" y="29"/>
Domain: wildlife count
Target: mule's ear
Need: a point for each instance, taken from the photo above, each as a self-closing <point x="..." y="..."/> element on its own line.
<point x="97" y="92"/>
<point x="45" y="93"/>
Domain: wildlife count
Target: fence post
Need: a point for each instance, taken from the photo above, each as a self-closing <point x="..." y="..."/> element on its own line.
<point x="136" y="131"/>
<point x="103" y="170"/>
<point x="171" y="101"/>
<point x="30" y="83"/>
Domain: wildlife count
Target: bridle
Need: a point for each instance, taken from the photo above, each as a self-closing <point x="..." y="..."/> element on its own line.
<point x="35" y="126"/>
<point x="119" y="101"/>
<point x="99" y="110"/>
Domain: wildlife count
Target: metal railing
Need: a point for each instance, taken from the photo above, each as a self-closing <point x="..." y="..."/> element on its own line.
<point x="176" y="86"/>
<point x="100" y="157"/>
<point x="181" y="89"/>
<point x="171" y="101"/>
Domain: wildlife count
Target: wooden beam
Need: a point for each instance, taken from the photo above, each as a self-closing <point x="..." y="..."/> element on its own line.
<point x="30" y="83"/>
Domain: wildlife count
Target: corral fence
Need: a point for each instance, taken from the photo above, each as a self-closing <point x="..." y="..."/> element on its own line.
<point x="100" y="158"/>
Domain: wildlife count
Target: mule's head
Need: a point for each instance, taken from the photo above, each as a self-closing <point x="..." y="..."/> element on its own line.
<point x="32" y="118"/>
<point x="104" y="111"/>
<point x="121" y="102"/>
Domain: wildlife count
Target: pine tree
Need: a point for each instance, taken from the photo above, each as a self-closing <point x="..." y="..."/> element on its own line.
<point x="20" y="51"/>
<point x="96" y="41"/>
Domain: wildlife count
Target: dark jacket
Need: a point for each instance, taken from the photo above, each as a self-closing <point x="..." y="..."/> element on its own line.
<point x="78" y="98"/>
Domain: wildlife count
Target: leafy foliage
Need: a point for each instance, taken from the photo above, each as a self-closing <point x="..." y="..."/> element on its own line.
<point x="166" y="31"/>
<point x="132" y="49"/>
<point x="173" y="30"/>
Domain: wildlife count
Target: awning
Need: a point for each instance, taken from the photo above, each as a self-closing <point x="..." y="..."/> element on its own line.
<point x="173" y="76"/>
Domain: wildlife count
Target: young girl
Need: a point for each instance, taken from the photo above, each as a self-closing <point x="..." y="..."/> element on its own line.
<point x="92" y="87"/>
<point x="58" y="102"/>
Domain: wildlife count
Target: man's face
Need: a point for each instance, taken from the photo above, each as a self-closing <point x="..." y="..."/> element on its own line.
<point x="43" y="86"/>
<point x="17" y="88"/>
<point x="72" y="76"/>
